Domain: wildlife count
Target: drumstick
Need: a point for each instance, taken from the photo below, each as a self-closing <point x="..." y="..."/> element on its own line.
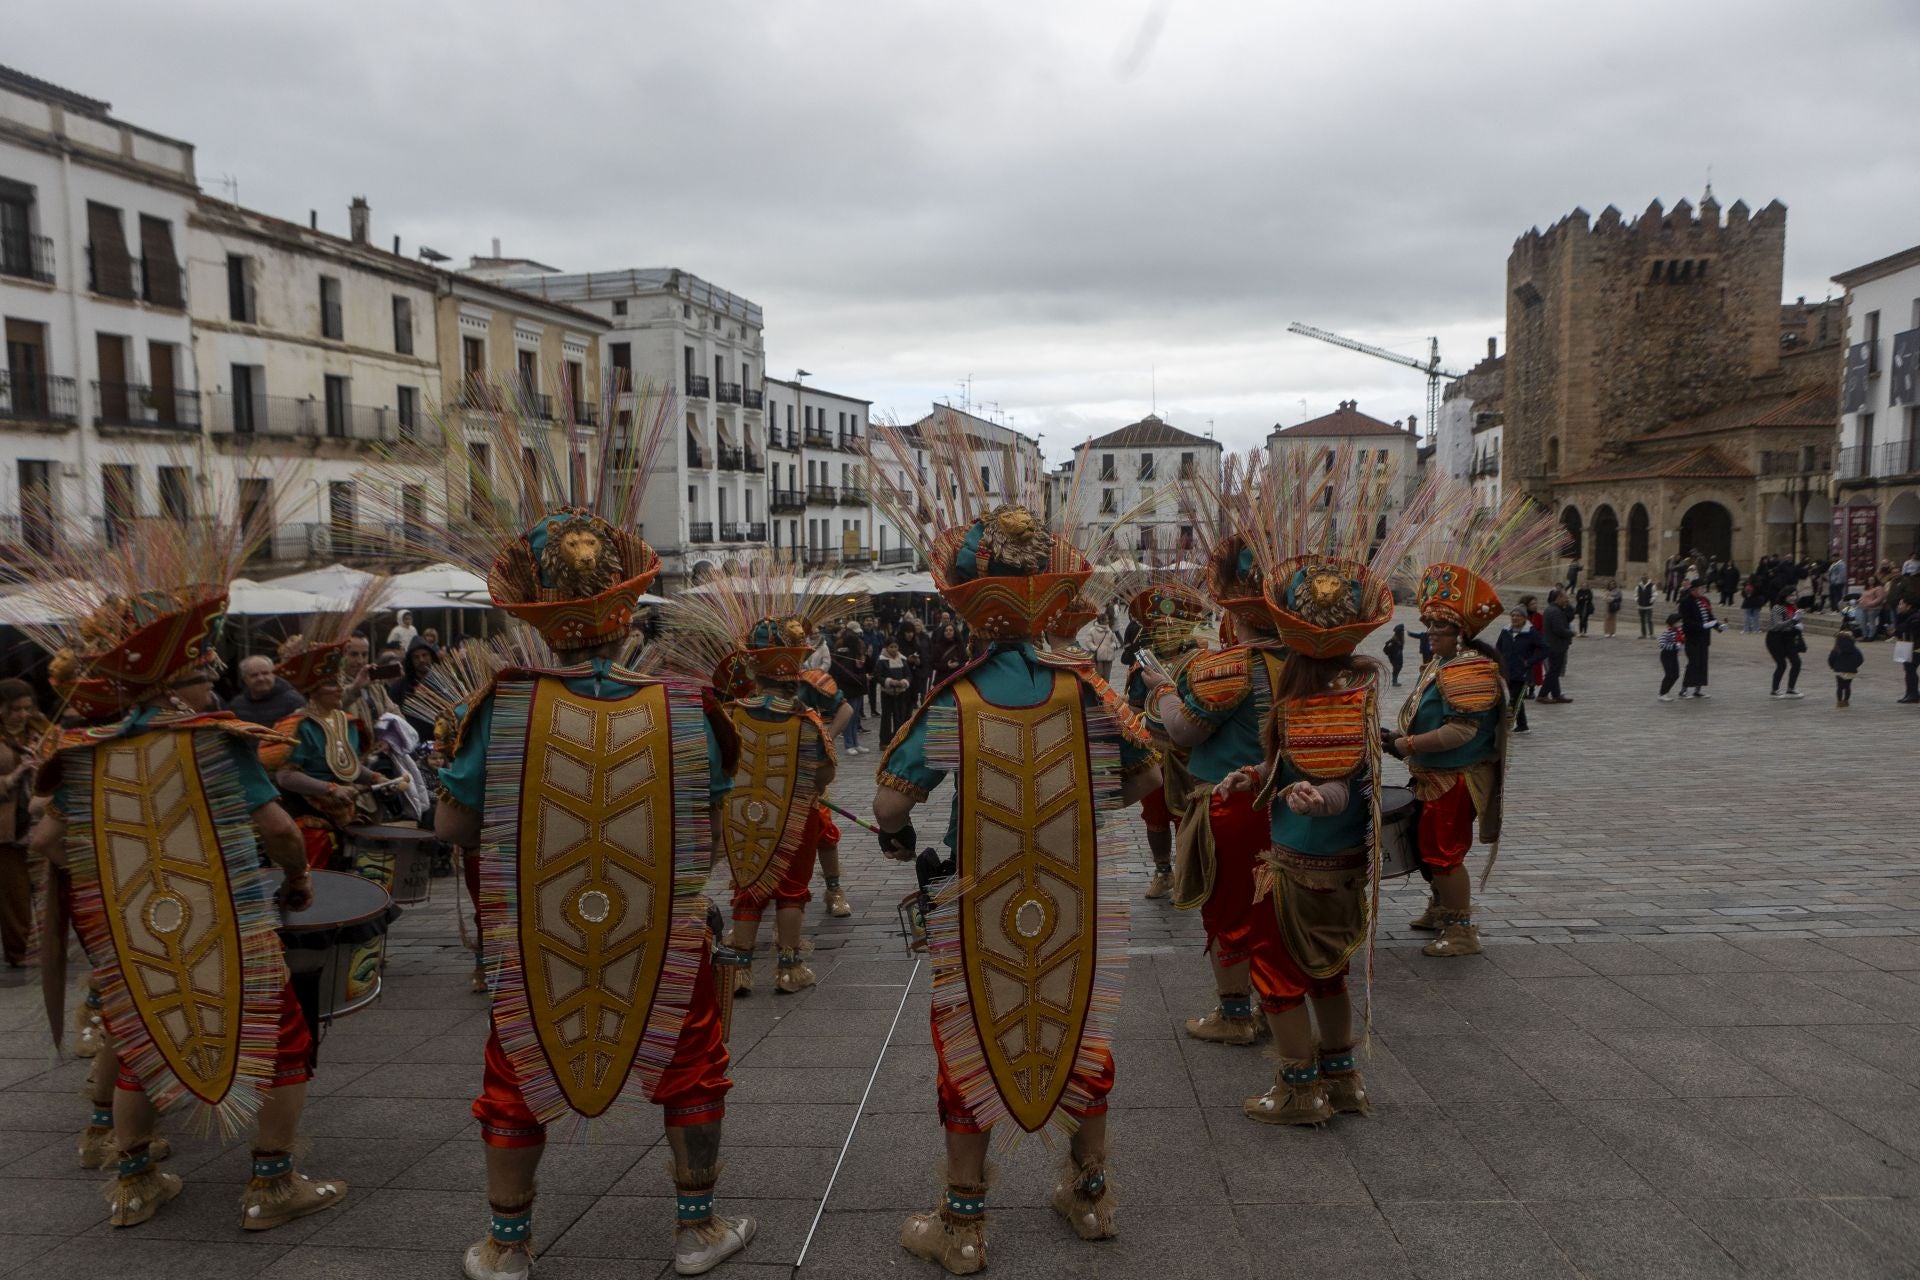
<point x="859" y="822"/>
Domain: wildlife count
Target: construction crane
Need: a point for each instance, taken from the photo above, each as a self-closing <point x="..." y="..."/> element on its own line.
<point x="1430" y="366"/>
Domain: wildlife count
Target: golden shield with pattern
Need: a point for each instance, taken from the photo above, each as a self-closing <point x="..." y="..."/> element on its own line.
<point x="761" y="805"/>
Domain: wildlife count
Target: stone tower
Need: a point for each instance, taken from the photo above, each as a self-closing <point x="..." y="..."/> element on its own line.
<point x="1617" y="328"/>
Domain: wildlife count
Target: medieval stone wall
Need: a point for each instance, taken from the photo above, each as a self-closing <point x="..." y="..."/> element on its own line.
<point x="1616" y="328"/>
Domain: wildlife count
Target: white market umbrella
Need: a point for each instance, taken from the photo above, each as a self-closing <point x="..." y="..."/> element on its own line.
<point x="441" y="580"/>
<point x="247" y="598"/>
<point x="340" y="581"/>
<point x="40" y="604"/>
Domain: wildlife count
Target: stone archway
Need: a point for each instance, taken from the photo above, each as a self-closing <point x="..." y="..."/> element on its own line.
<point x="1606" y="544"/>
<point x="1638" y="526"/>
<point x="1707" y="528"/>
<point x="1570" y="521"/>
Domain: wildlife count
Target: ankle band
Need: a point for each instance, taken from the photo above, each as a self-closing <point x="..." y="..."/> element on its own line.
<point x="1240" y="1006"/>
<point x="735" y="957"/>
<point x="1093" y="1184"/>
<point x="135" y="1162"/>
<point x="93" y="999"/>
<point x="1299" y="1073"/>
<point x="102" y="1118"/>
<point x="694" y="1206"/>
<point x="788" y="959"/>
<point x="966" y="1204"/>
<point x="272" y="1164"/>
<point x="833" y="882"/>
<point x="1336" y="1064"/>
<point x="513" y="1228"/>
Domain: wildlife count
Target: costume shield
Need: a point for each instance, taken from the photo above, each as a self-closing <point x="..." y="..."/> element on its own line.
<point x="773" y="792"/>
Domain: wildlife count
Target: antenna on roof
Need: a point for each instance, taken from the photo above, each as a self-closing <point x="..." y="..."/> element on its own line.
<point x="1153" y="392"/>
<point x="231" y="185"/>
<point x="431" y="255"/>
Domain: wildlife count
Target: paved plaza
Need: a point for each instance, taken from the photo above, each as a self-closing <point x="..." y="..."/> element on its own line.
<point x="1690" y="1050"/>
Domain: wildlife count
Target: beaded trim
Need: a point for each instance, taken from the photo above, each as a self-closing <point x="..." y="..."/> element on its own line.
<point x="272" y="1166"/>
<point x="1236" y="1006"/>
<point x="102" y="1118"/>
<point x="1094" y="1184"/>
<point x="135" y="1163"/>
<point x="513" y="1228"/>
<point x="965" y="1206"/>
<point x="1337" y="1064"/>
<point x="694" y="1208"/>
<point x="739" y="957"/>
<point x="1299" y="1075"/>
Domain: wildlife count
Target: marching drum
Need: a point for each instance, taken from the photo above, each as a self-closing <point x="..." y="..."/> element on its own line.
<point x="1398" y="856"/>
<point x="336" y="947"/>
<point x="401" y="858"/>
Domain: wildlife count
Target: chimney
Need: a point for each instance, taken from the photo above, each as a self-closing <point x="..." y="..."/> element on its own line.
<point x="496" y="246"/>
<point x="1493" y="347"/>
<point x="1413" y="424"/>
<point x="313" y="219"/>
<point x="396" y="246"/>
<point x="359" y="218"/>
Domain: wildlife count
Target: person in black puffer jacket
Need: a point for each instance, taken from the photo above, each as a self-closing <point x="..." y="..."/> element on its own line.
<point x="1519" y="647"/>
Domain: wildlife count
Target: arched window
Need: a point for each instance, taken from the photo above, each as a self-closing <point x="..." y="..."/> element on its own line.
<point x="1606" y="544"/>
<point x="1570" y="521"/>
<point x="1553" y="456"/>
<point x="1637" y="535"/>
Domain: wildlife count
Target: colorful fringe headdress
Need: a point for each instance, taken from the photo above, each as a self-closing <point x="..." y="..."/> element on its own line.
<point x="135" y="613"/>
<point x="990" y="553"/>
<point x="556" y="538"/>
<point x="1233" y="518"/>
<point x="1477" y="547"/>
<point x="1341" y="542"/>
<point x="315" y="655"/>
<point x="752" y="622"/>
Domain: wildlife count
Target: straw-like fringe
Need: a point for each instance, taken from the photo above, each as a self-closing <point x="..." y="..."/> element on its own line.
<point x="262" y="968"/>
<point x="500" y="897"/>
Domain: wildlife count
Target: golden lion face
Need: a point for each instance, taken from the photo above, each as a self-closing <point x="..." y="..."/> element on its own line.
<point x="580" y="562"/>
<point x="1325" y="599"/>
<point x="580" y="550"/>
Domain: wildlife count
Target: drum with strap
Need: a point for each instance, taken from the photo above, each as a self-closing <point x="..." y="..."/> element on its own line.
<point x="399" y="857"/>
<point x="1398" y="852"/>
<point x="336" y="947"/>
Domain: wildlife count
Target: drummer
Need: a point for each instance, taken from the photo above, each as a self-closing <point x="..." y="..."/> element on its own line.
<point x="323" y="776"/>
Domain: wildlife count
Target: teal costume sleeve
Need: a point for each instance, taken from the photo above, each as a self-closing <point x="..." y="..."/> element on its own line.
<point x="719" y="781"/>
<point x="821" y="705"/>
<point x="310" y="750"/>
<point x="256" y="788"/>
<point x="1133" y="755"/>
<point x="465" y="778"/>
<point x="907" y="761"/>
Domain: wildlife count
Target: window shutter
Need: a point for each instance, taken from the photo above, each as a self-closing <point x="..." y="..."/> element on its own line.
<point x="162" y="269"/>
<point x="107" y="247"/>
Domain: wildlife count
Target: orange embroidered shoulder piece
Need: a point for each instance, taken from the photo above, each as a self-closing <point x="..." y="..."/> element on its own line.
<point x="821" y="681"/>
<point x="1326" y="735"/>
<point x="1219" y="681"/>
<point x="1470" y="684"/>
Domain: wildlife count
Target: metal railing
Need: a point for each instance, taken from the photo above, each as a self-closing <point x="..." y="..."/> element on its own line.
<point x="853" y="495"/>
<point x="823" y="493"/>
<point x="1899" y="457"/>
<point x="817" y="556"/>
<point x="130" y="404"/>
<point x="850" y="441"/>
<point x="787" y="500"/>
<point x="732" y="458"/>
<point x="753" y="399"/>
<point x="756" y="462"/>
<point x="534" y="404"/>
<point x="585" y="415"/>
<point x="309" y="419"/>
<point x="778" y="439"/>
<point x="26" y="257"/>
<point x="896" y="555"/>
<point x="160" y="283"/>
<point x="700" y="531"/>
<point x="858" y="556"/>
<point x="727" y="392"/>
<point x="756" y="531"/>
<point x="697" y="386"/>
<point x="820" y="436"/>
<point x="733" y="531"/>
<point x="697" y="457"/>
<point x="1851" y="463"/>
<point x="42" y="399"/>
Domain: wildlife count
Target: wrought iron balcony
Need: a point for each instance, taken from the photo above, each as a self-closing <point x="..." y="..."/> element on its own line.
<point x="700" y="531"/>
<point x="727" y="392"/>
<point x="534" y="404"/>
<point x="733" y="531"/>
<point x="696" y="386"/>
<point x="853" y="495"/>
<point x="129" y="404"/>
<point x="26" y="257"/>
<point x="288" y="418"/>
<point x="697" y="458"/>
<point x="732" y="458"/>
<point x="753" y="398"/>
<point x="757" y="531"/>
<point x="850" y="441"/>
<point x="819" y="556"/>
<point x="786" y="501"/>
<point x="819" y="436"/>
<point x="1899" y="458"/>
<point x="1852" y="463"/>
<point x="856" y="557"/>
<point x="39" y="399"/>
<point x="823" y="493"/>
<point x="756" y="462"/>
<point x="896" y="555"/>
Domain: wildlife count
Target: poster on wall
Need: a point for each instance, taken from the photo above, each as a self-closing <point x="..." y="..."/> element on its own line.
<point x="1853" y="392"/>
<point x="1903" y="374"/>
<point x="1856" y="538"/>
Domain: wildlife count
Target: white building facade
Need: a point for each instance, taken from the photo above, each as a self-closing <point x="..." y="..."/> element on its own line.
<point x="821" y="466"/>
<point x="1134" y="472"/>
<point x="708" y="503"/>
<point x="97" y="392"/>
<point x="1877" y="472"/>
<point x="1374" y="443"/>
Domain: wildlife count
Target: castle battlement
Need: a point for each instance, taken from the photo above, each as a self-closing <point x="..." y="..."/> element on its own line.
<point x="1685" y="227"/>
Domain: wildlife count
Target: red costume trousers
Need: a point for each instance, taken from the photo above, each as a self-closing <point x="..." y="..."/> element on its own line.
<point x="1153" y="810"/>
<point x="322" y="842"/>
<point x="956" y="1116"/>
<point x="1280" y="982"/>
<point x="1239" y="834"/>
<point x="692" y="1090"/>
<point x="294" y="1055"/>
<point x="1444" y="831"/>
<point x="792" y="889"/>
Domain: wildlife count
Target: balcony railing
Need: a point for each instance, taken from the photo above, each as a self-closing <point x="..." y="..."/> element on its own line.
<point x="818" y="556"/>
<point x="896" y="555"/>
<point x="727" y="392"/>
<point x="585" y="414"/>
<point x="698" y="458"/>
<point x="534" y="404"/>
<point x="857" y="557"/>
<point x="756" y="531"/>
<point x="853" y="495"/>
<point x="756" y="462"/>
<point x="1899" y="458"/>
<point x="733" y="531"/>
<point x="1792" y="462"/>
<point x="819" y="436"/>
<point x="778" y="439"/>
<point x="129" y="404"/>
<point x="41" y="399"/>
<point x="700" y="531"/>
<point x="786" y="501"/>
<point x="752" y="398"/>
<point x="696" y="386"/>
<point x="850" y="441"/>
<point x="1852" y="462"/>
<point x="289" y="418"/>
<point x="731" y="457"/>
<point x="160" y="282"/>
<point x="26" y="257"/>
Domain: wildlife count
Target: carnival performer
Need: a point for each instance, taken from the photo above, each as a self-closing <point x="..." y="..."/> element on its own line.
<point x="1213" y="711"/>
<point x="819" y="693"/>
<point x="1453" y="725"/>
<point x="1039" y="746"/>
<point x="1167" y="612"/>
<point x="750" y="629"/>
<point x="589" y="791"/>
<point x="1319" y="785"/>
<point x="161" y="814"/>
<point x="323" y="775"/>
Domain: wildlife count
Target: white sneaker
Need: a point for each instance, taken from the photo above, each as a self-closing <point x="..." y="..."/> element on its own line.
<point x="1699" y="693"/>
<point x="1665" y="697"/>
<point x="693" y="1256"/>
<point x="1775" y="694"/>
<point x="490" y="1260"/>
<point x="1793" y="693"/>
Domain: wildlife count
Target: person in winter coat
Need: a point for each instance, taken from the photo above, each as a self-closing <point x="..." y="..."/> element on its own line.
<point x="1784" y="643"/>
<point x="1643" y="594"/>
<point x="1559" y="638"/>
<point x="1583" y="607"/>
<point x="1396" y="649"/>
<point x="1519" y="647"/>
<point x="1614" y="599"/>
<point x="1697" y="624"/>
<point x="1844" y="661"/>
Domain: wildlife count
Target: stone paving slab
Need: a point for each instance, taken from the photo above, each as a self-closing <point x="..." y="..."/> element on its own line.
<point x="1691" y="1050"/>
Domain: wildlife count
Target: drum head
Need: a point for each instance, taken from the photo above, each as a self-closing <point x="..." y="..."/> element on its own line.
<point x="339" y="900"/>
<point x="387" y="833"/>
<point x="1394" y="800"/>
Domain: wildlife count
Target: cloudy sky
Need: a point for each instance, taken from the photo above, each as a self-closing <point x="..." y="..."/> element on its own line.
<point x="1071" y="202"/>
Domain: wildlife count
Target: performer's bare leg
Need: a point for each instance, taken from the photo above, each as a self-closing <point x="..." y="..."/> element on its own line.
<point x="276" y="1194"/>
<point x="138" y="1189"/>
<point x="99" y="1146"/>
<point x="507" y="1252"/>
<point x="1160" y="845"/>
<point x="794" y="974"/>
<point x="1297" y="1095"/>
<point x="1083" y="1196"/>
<point x="701" y="1238"/>
<point x="742" y="937"/>
<point x="955" y="1234"/>
<point x="829" y="855"/>
<point x="1233" y="1021"/>
<point x="1453" y="890"/>
<point x="1333" y="1016"/>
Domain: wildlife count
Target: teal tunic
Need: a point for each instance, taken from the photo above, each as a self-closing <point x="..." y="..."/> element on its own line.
<point x="1434" y="711"/>
<point x="1009" y="676"/>
<point x="310" y="748"/>
<point x="465" y="778"/>
<point x="1325" y="836"/>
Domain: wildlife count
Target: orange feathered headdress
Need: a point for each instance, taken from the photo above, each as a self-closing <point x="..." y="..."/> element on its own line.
<point x="1324" y="607"/>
